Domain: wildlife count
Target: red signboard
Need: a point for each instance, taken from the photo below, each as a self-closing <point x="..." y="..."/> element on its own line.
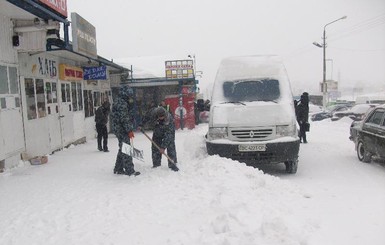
<point x="182" y="114"/>
<point x="59" y="6"/>
<point x="70" y="73"/>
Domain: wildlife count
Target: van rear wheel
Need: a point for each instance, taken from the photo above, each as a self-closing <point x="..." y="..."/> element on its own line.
<point x="291" y="166"/>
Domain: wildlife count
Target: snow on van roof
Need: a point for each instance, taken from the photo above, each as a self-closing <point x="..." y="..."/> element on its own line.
<point x="254" y="67"/>
<point x="245" y="67"/>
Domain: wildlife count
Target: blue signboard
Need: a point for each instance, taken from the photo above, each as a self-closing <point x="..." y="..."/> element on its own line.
<point x="95" y="73"/>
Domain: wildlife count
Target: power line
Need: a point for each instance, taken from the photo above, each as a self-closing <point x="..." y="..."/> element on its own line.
<point x="357" y="28"/>
<point x="358" y="50"/>
<point x="361" y="27"/>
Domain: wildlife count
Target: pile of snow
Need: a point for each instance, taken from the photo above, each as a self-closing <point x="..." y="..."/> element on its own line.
<point x="76" y="199"/>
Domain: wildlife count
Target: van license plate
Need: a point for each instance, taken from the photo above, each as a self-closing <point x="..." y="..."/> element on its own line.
<point x="252" y="147"/>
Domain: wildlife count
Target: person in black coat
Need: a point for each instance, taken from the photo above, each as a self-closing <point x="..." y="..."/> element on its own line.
<point x="302" y="111"/>
<point x="101" y="120"/>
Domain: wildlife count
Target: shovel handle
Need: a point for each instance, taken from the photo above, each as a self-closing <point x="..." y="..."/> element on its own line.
<point x="156" y="145"/>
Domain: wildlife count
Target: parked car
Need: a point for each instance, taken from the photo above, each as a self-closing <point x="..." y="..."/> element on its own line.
<point x="356" y="113"/>
<point x="329" y="112"/>
<point x="319" y="116"/>
<point x="314" y="108"/>
<point x="369" y="135"/>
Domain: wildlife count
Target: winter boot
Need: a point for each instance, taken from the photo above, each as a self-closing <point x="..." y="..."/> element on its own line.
<point x="173" y="167"/>
<point x="304" y="139"/>
<point x="132" y="172"/>
<point x="118" y="171"/>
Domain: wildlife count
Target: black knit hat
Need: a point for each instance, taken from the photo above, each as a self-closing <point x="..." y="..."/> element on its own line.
<point x="160" y="112"/>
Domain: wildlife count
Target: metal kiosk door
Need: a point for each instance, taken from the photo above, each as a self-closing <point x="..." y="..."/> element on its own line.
<point x="66" y="113"/>
<point x="55" y="137"/>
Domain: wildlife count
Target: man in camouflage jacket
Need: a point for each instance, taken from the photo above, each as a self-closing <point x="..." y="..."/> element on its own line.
<point x="122" y="125"/>
<point x="163" y="136"/>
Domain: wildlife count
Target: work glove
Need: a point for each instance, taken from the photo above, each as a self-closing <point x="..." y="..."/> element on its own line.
<point x="131" y="135"/>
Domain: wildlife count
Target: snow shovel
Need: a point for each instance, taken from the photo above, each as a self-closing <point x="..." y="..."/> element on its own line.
<point x="136" y="153"/>
<point x="156" y="145"/>
<point x="132" y="151"/>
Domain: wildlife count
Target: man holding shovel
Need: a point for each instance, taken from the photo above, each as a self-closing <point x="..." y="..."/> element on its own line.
<point x="122" y="125"/>
<point x="163" y="137"/>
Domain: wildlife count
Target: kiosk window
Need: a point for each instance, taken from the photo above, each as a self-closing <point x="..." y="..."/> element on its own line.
<point x="3" y="80"/>
<point x="40" y="98"/>
<point x="88" y="103"/>
<point x="74" y="96"/>
<point x="48" y="89"/>
<point x="51" y="92"/>
<point x="30" y="97"/>
<point x="77" y="98"/>
<point x="13" y="81"/>
<point x="80" y="96"/>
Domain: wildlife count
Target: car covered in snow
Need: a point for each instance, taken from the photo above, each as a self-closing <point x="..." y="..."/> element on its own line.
<point x="356" y="113"/>
<point x="369" y="135"/>
<point x="252" y="117"/>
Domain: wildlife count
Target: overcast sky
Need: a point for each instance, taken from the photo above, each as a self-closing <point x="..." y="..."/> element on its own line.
<point x="214" y="29"/>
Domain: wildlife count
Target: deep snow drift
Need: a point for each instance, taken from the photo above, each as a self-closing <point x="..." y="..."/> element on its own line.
<point x="76" y="199"/>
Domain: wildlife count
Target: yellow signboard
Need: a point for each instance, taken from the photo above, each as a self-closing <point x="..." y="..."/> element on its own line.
<point x="70" y="73"/>
<point x="179" y="69"/>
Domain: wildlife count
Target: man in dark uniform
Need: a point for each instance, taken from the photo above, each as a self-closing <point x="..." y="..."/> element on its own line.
<point x="122" y="125"/>
<point x="303" y="116"/>
<point x="101" y="119"/>
<point x="163" y="136"/>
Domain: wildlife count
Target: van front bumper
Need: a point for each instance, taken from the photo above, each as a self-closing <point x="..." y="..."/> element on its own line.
<point x="275" y="152"/>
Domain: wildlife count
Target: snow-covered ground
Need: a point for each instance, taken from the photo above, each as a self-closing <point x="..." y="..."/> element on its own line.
<point x="76" y="199"/>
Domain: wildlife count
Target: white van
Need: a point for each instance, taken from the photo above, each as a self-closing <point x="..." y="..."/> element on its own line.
<point x="252" y="117"/>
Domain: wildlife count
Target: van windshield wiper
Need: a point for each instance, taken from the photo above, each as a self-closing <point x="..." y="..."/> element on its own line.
<point x="233" y="102"/>
<point x="274" y="101"/>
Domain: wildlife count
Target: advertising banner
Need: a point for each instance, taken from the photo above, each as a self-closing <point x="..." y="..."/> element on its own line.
<point x="95" y="73"/>
<point x="83" y="36"/>
<point x="184" y="116"/>
<point x="70" y="73"/>
<point x="59" y="6"/>
<point x="179" y="69"/>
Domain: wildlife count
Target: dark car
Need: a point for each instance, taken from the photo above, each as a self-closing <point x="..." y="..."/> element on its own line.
<point x="319" y="116"/>
<point x="369" y="135"/>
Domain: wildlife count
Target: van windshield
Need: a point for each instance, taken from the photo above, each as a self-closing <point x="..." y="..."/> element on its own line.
<point x="252" y="90"/>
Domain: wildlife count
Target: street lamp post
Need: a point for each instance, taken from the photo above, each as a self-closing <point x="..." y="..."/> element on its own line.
<point x="324" y="87"/>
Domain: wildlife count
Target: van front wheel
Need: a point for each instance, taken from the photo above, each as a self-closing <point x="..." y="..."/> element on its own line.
<point x="291" y="166"/>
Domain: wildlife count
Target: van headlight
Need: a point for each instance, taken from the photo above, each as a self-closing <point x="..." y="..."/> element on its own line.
<point x="287" y="130"/>
<point x="217" y="133"/>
